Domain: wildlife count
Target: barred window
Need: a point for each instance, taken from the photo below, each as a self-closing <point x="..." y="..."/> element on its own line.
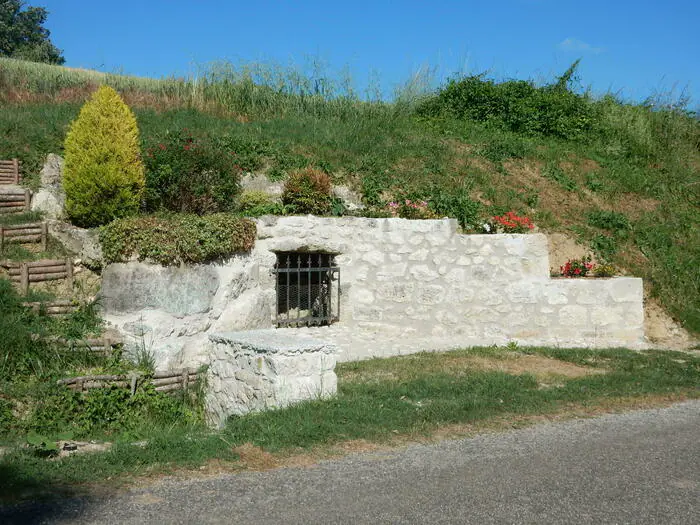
<point x="308" y="289"/>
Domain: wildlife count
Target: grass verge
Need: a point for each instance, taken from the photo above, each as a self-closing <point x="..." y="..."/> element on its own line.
<point x="380" y="402"/>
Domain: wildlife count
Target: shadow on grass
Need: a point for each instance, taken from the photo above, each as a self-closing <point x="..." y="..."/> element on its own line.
<point x="29" y="499"/>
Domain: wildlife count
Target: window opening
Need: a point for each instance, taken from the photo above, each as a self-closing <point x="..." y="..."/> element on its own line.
<point x="308" y="289"/>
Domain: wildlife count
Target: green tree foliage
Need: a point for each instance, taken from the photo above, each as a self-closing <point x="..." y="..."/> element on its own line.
<point x="23" y="35"/>
<point x="104" y="174"/>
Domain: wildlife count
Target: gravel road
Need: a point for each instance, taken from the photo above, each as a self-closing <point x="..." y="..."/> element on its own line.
<point x="639" y="467"/>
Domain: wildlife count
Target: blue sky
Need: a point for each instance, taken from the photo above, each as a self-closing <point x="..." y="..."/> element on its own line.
<point x="634" y="48"/>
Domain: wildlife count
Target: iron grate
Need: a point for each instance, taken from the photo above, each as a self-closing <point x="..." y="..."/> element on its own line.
<point x="308" y="289"/>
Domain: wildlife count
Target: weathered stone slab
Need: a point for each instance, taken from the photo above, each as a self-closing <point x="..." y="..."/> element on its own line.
<point x="265" y="369"/>
<point x="127" y="287"/>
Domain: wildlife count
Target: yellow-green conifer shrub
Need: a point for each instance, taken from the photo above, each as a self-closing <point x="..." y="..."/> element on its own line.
<point x="103" y="175"/>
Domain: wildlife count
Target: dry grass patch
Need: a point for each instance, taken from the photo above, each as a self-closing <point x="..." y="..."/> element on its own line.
<point x="545" y="369"/>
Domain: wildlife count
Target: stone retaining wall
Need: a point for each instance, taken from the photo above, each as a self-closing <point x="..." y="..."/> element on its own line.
<point x="406" y="286"/>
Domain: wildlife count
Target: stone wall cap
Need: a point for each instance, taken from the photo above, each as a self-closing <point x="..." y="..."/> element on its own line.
<point x="272" y="341"/>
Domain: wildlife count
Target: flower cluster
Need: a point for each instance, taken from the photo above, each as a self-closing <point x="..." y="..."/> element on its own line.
<point x="577" y="267"/>
<point x="408" y="209"/>
<point x="508" y="223"/>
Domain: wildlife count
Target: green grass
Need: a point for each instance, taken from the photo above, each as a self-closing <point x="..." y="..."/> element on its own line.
<point x="409" y="396"/>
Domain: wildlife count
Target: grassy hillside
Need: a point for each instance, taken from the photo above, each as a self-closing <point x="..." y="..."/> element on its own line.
<point x="622" y="178"/>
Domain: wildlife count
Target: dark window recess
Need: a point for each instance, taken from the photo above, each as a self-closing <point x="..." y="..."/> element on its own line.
<point x="308" y="289"/>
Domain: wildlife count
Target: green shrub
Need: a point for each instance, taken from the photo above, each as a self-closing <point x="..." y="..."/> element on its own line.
<point x="257" y="203"/>
<point x="515" y="105"/>
<point x="308" y="191"/>
<point x="104" y="175"/>
<point x="177" y="238"/>
<point x="189" y="174"/>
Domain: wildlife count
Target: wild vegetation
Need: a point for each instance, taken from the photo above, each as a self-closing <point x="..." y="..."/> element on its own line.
<point x="622" y="178"/>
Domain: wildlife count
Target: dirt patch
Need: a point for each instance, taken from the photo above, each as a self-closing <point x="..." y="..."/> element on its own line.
<point x="539" y="366"/>
<point x="562" y="247"/>
<point x="255" y="458"/>
<point x="662" y="331"/>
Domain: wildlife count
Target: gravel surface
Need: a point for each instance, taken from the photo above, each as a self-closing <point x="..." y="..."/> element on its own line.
<point x="639" y="467"/>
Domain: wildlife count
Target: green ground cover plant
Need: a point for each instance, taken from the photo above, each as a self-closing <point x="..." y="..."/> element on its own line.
<point x="171" y="239"/>
<point x="379" y="400"/>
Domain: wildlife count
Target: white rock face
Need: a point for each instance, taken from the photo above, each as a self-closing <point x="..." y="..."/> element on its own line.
<point x="84" y="243"/>
<point x="406" y="286"/>
<point x="263" y="369"/>
<point x="50" y="199"/>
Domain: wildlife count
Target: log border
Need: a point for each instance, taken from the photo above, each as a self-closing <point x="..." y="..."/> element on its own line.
<point x="24" y="233"/>
<point x="170" y="381"/>
<point x="9" y="171"/>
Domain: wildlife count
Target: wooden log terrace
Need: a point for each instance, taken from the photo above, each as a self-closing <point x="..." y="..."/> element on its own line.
<point x="15" y="201"/>
<point x="25" y="273"/>
<point x="55" y="308"/>
<point x="169" y="381"/>
<point x="23" y="234"/>
<point x="9" y="171"/>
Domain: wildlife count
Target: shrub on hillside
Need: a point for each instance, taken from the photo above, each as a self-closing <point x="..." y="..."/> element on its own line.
<point x="190" y="174"/>
<point x="308" y="191"/>
<point x="178" y="238"/>
<point x="515" y="105"/>
<point x="103" y="176"/>
<point x="256" y="203"/>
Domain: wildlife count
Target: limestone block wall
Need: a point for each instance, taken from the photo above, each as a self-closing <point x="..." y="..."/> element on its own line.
<point x="262" y="369"/>
<point x="406" y="286"/>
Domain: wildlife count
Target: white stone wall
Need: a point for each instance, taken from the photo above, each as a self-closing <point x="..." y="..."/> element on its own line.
<point x="406" y="286"/>
<point x="261" y="369"/>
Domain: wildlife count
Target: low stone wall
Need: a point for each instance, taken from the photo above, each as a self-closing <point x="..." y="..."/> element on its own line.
<point x="406" y="286"/>
<point x="263" y="369"/>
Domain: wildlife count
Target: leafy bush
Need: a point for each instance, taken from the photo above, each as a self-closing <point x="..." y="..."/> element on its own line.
<point x="104" y="175"/>
<point x="177" y="238"/>
<point x="190" y="174"/>
<point x="515" y="105"/>
<point x="257" y="203"/>
<point x="7" y="418"/>
<point x="604" y="246"/>
<point x="249" y="154"/>
<point x="308" y="191"/>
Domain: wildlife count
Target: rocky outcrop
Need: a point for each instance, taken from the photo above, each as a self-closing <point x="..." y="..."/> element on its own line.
<point x="50" y="199"/>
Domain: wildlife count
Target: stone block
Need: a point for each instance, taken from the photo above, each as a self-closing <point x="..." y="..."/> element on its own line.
<point x="265" y="369"/>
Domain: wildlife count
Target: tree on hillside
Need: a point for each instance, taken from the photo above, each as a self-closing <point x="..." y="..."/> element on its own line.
<point x="22" y="34"/>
